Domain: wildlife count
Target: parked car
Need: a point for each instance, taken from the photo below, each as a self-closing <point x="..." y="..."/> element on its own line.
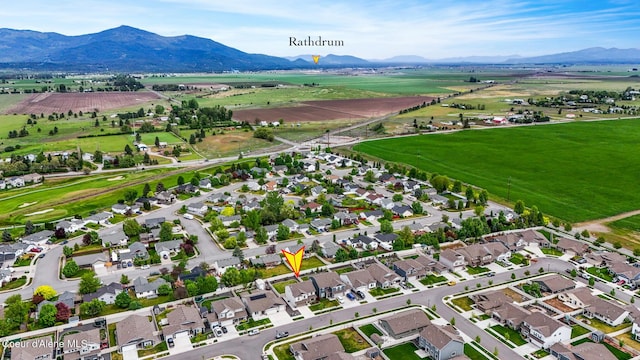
<point x="360" y="294"/>
<point x="491" y="274"/>
<point x="282" y="334"/>
<point x="351" y="296"/>
<point x="340" y="299"/>
<point x="218" y="331"/>
<point x="188" y="216"/>
<point x="253" y="332"/>
<point x="224" y="329"/>
<point x="170" y="342"/>
<point x="145" y="267"/>
<point x="451" y="283"/>
<point x="64" y="242"/>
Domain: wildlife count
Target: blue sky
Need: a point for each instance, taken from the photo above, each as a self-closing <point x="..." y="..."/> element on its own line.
<point x="371" y="29"/>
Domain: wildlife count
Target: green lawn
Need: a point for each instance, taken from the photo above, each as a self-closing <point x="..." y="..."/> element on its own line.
<point x="323" y="304"/>
<point x="518" y="259"/>
<point x="112" y="334"/>
<point x="351" y="340"/>
<point x="463" y="303"/>
<point x="513" y="335"/>
<point x="551" y="251"/>
<point x="14" y="284"/>
<point x="605" y="328"/>
<point x="160" y="347"/>
<point x="432" y="279"/>
<point x="274" y="271"/>
<point x="250" y="324"/>
<point x="381" y="292"/>
<point x="601" y="273"/>
<point x="564" y="169"/>
<point x="279" y="286"/>
<point x="24" y="260"/>
<point x="577" y="330"/>
<point x="311" y="263"/>
<point x="620" y="355"/>
<point x="370" y="329"/>
<point x="540" y="353"/>
<point x="404" y="351"/>
<point x="472" y="353"/>
<point x="629" y="223"/>
<point x="476" y="270"/>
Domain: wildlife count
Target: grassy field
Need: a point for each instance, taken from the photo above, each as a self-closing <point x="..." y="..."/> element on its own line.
<point x="228" y="144"/>
<point x="351" y="340"/>
<point x="631" y="223"/>
<point x="575" y="171"/>
<point x="406" y="351"/>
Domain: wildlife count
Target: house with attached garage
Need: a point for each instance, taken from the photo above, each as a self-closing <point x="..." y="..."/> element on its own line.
<point x="114" y="237"/>
<point x="120" y="208"/>
<point x="67" y="298"/>
<point x="483" y="254"/>
<point x="106" y="293"/>
<point x="329" y="249"/>
<point x="327" y="347"/>
<point x="608" y="312"/>
<point x="183" y="321"/>
<point x="625" y="272"/>
<point x="197" y="208"/>
<point x="489" y="300"/>
<point x="365" y="242"/>
<point x="135" y="332"/>
<point x="70" y="226"/>
<point x="441" y="342"/>
<point x="222" y="265"/>
<point x="154" y="222"/>
<point x="97" y="262"/>
<point x="135" y="251"/>
<point x="40" y="348"/>
<point x="584" y="351"/>
<point x="431" y="265"/>
<point x="402" y="210"/>
<point x="346" y="218"/>
<point x="328" y="284"/>
<point x="543" y="331"/>
<point x="147" y="290"/>
<point x="300" y="293"/>
<point x="453" y="260"/>
<point x="267" y="261"/>
<point x="383" y="276"/>
<point x="101" y="218"/>
<point x="574" y="247"/>
<point x="320" y="225"/>
<point x="227" y="312"/>
<point x="409" y="269"/>
<point x="291" y="225"/>
<point x="510" y="315"/>
<point x="405" y="323"/>
<point x="167" y="249"/>
<point x="359" y="280"/>
<point x="82" y="345"/>
<point x="261" y="304"/>
<point x="554" y="284"/>
<point x="372" y="215"/>
<point x="38" y="239"/>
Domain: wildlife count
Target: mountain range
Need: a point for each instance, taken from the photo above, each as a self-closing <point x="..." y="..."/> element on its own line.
<point x="129" y="49"/>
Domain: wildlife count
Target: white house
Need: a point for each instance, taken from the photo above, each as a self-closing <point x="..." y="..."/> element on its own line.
<point x="197" y="208"/>
<point x="301" y="293"/>
<point x="543" y="331"/>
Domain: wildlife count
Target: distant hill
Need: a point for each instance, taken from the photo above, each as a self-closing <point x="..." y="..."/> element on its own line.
<point x="127" y="49"/>
<point x="591" y="55"/>
<point x="332" y="59"/>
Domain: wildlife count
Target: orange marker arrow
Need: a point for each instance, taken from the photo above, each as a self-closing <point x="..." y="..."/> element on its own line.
<point x="294" y="260"/>
<point x="315" y="58"/>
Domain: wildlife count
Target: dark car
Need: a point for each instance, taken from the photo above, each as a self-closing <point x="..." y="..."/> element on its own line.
<point x="360" y="294"/>
<point x="224" y="329"/>
<point x="170" y="342"/>
<point x="282" y="334"/>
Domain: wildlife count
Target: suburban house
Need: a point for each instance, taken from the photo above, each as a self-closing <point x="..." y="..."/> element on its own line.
<point x="135" y="332"/>
<point x="40" y="348"/>
<point x="578" y="298"/>
<point x="197" y="208"/>
<point x="405" y="323"/>
<point x="222" y="265"/>
<point x="105" y="293"/>
<point x="145" y="289"/>
<point x="364" y="242"/>
<point x="38" y="239"/>
<point x="68" y="298"/>
<point x="625" y="272"/>
<point x="371" y="215"/>
<point x="402" y="211"/>
<point x="300" y="293"/>
<point x="267" y="261"/>
<point x="261" y="304"/>
<point x="346" y="218"/>
<point x="120" y="208"/>
<point x="452" y="260"/>
<point x="569" y="246"/>
<point x="166" y="249"/>
<point x="409" y="269"/>
<point x="514" y="241"/>
<point x="510" y="315"/>
<point x="226" y="312"/>
<point x="183" y="319"/>
<point x="153" y="222"/>
<point x="606" y="311"/>
<point x="135" y="251"/>
<point x="359" y="280"/>
<point x="431" y="265"/>
<point x="329" y="249"/>
<point x="328" y="284"/>
<point x="487" y="301"/>
<point x="70" y="226"/>
<point x="604" y="258"/>
<point x="320" y="225"/>
<point x="441" y="342"/>
<point x="384" y="276"/>
<point x="543" y="331"/>
<point x="483" y="254"/>
<point x="101" y="218"/>
<point x="312" y="206"/>
<point x="82" y="345"/>
<point x="317" y="347"/>
<point x="165" y="197"/>
<point x="114" y="237"/>
<point x="584" y="351"/>
<point x="97" y="261"/>
<point x="554" y="284"/>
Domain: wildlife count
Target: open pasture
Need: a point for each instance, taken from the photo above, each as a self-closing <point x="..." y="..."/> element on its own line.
<point x="576" y="171"/>
<point x="228" y="144"/>
<point x="48" y="103"/>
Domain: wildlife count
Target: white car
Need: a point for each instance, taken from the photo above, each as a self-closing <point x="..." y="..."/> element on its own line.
<point x="145" y="267"/>
<point x="253" y="332"/>
<point x="340" y="299"/>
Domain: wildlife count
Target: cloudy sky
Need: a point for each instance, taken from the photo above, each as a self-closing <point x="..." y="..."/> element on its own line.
<point x="371" y="29"/>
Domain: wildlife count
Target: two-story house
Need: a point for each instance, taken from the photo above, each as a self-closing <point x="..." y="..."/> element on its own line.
<point x="543" y="331"/>
<point x="135" y="332"/>
<point x="183" y="321"/>
<point x="441" y="342"/>
<point x="301" y="293"/>
<point x="82" y="345"/>
<point x="226" y="312"/>
<point x="328" y="284"/>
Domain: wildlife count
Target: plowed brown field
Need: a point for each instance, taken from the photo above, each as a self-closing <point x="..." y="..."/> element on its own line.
<point x="48" y="103"/>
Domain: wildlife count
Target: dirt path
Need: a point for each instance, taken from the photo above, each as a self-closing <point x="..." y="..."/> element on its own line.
<point x="599" y="225"/>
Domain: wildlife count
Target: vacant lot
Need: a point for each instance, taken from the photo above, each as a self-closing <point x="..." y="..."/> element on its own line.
<point x="331" y="109"/>
<point x="575" y="171"/>
<point x="56" y="102"/>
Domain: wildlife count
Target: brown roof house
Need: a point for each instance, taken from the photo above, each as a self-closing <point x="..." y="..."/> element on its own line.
<point x="431" y="265"/>
<point x="441" y="342"/>
<point x="409" y="269"/>
<point x="320" y="347"/>
<point x="578" y="298"/>
<point x="83" y="345"/>
<point x="606" y="311"/>
<point x="510" y="314"/>
<point x="300" y="293"/>
<point x="261" y="304"/>
<point x="328" y="284"/>
<point x="226" y="312"/>
<point x="543" y="331"/>
<point x="360" y="280"/>
<point x="554" y="284"/>
<point x="384" y="276"/>
<point x="490" y="300"/>
<point x="34" y="349"/>
<point x="483" y="254"/>
<point x="404" y="324"/>
<point x="453" y="260"/>
<point x="135" y="332"/>
<point x="572" y="246"/>
<point x="584" y="351"/>
<point x="183" y="321"/>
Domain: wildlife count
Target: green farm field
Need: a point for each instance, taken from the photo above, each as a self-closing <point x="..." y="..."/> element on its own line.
<point x="575" y="171"/>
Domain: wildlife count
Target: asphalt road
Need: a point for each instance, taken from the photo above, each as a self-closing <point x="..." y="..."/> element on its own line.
<point x="250" y="347"/>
